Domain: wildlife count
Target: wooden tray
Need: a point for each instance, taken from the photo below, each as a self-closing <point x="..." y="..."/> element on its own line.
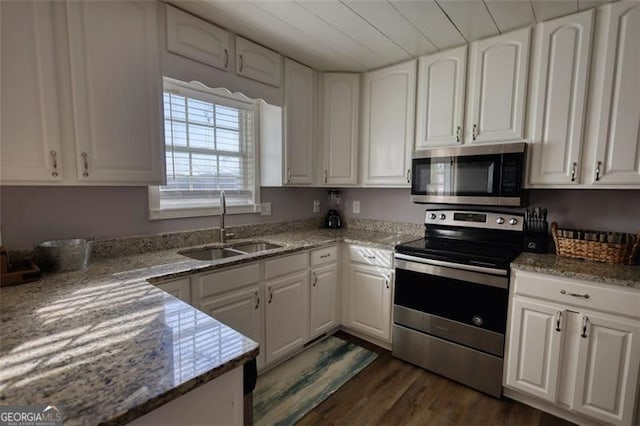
<point x="20" y="272"/>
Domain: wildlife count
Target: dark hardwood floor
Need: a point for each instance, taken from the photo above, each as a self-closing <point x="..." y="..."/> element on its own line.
<point x="392" y="392"/>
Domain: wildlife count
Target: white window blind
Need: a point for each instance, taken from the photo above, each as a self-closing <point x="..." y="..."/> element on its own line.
<point x="209" y="144"/>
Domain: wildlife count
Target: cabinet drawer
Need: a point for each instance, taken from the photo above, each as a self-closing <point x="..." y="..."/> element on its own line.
<point x="565" y="291"/>
<point x="371" y="256"/>
<point x="285" y="265"/>
<point x="324" y="255"/>
<point x="230" y="279"/>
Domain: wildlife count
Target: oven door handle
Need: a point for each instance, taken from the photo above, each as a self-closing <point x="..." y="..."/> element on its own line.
<point x="475" y="274"/>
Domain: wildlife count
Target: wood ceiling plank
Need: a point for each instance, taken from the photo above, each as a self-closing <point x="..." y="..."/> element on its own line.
<point x="383" y="16"/>
<point x="323" y="34"/>
<point x="344" y="19"/>
<point x="549" y="9"/>
<point x="471" y="17"/>
<point x="427" y="17"/>
<point x="511" y="14"/>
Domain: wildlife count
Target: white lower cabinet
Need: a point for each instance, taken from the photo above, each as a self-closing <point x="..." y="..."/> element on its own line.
<point x="324" y="299"/>
<point x="583" y="361"/>
<point x="370" y="295"/>
<point x="241" y="310"/>
<point x="180" y="289"/>
<point x="287" y="314"/>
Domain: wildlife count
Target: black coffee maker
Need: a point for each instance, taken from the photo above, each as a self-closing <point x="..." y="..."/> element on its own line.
<point x="333" y="219"/>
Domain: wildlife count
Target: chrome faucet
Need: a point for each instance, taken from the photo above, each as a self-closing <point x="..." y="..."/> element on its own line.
<point x="223" y="211"/>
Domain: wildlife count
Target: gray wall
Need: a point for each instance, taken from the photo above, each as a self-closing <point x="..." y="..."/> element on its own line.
<point x="607" y="210"/>
<point x="30" y="214"/>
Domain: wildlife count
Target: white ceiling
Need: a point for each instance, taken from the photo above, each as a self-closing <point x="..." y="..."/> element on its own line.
<point x="360" y="35"/>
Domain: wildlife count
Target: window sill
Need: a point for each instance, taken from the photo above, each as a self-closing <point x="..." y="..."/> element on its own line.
<point x="200" y="212"/>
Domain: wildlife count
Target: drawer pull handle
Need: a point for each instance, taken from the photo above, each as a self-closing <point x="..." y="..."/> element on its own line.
<point x="270" y="295"/>
<point x="288" y="175"/>
<point x="558" y="320"/>
<point x="585" y="324"/>
<point x="54" y="154"/>
<point x="598" y="164"/>
<point x="458" y="134"/>
<point x="85" y="161"/>
<point x="573" y="172"/>
<point x="369" y="257"/>
<point x="325" y="176"/>
<point x="241" y="63"/>
<point x="386" y="281"/>
<point x="584" y="296"/>
<point x="408" y="175"/>
<point x="257" y="300"/>
<point x="315" y="279"/>
<point x="226" y="58"/>
<point x="324" y="256"/>
<point x="474" y="132"/>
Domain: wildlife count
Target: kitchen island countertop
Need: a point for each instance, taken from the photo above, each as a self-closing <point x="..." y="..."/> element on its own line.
<point x="109" y="346"/>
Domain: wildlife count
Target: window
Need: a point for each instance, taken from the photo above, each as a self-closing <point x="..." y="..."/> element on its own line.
<point x="209" y="146"/>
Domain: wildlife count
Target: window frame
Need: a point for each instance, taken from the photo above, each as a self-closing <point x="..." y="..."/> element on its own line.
<point x="197" y="90"/>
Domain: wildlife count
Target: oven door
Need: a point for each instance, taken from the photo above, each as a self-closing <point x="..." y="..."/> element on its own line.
<point x="462" y="306"/>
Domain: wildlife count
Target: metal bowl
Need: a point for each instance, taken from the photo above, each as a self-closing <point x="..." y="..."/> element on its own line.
<point x="65" y="255"/>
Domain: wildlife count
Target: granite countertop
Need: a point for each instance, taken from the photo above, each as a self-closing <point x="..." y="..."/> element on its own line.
<point x="109" y="346"/>
<point x="603" y="273"/>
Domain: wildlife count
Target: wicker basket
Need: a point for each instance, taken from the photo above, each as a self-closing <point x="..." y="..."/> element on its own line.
<point x="622" y="254"/>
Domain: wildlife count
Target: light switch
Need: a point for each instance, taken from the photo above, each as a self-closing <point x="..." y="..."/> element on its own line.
<point x="316" y="206"/>
<point x="356" y="207"/>
<point x="265" y="209"/>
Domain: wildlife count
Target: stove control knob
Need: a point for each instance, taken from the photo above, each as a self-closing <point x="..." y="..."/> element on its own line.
<point x="432" y="216"/>
<point x="513" y="221"/>
<point x="443" y="216"/>
<point x="500" y="220"/>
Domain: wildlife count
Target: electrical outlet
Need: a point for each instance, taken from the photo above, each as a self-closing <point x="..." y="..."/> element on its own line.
<point x="316" y="206"/>
<point x="356" y="207"/>
<point x="265" y="209"/>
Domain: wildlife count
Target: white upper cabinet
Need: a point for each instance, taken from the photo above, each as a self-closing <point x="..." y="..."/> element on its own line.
<point x="388" y="117"/>
<point x="340" y="106"/>
<point x="196" y="39"/>
<point x="258" y="63"/>
<point x="440" y="104"/>
<point x="616" y="98"/>
<point x="497" y="84"/>
<point x="299" y="102"/>
<point x="117" y="91"/>
<point x="560" y="71"/>
<point x="30" y="132"/>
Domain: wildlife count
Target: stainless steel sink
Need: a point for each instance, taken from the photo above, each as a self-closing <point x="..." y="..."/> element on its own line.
<point x="210" y="253"/>
<point x="255" y="247"/>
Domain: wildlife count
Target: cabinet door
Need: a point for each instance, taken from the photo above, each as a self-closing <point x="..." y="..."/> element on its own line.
<point x="180" y="289"/>
<point x="242" y="310"/>
<point x="324" y="299"/>
<point x="370" y="300"/>
<point x="196" y="39"/>
<point x="388" y="125"/>
<point x="287" y="315"/>
<point x="299" y="101"/>
<point x="497" y="84"/>
<point x="30" y="132"/>
<point x="440" y="106"/>
<point x="557" y="113"/>
<point x="340" y="98"/>
<point x="617" y="109"/>
<point x="258" y="63"/>
<point x="607" y="372"/>
<point x="117" y="91"/>
<point x="535" y="342"/>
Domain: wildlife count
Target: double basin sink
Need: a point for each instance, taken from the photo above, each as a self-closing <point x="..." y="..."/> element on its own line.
<point x="215" y="253"/>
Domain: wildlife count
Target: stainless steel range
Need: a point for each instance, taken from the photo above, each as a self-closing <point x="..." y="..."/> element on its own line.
<point x="451" y="295"/>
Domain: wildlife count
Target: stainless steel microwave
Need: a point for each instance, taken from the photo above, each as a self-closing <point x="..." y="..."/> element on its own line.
<point x="475" y="174"/>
